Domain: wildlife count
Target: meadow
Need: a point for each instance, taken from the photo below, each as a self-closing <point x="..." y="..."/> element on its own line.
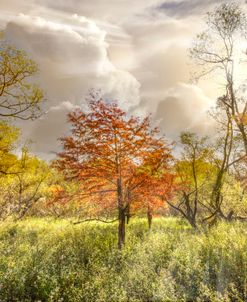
<point x="55" y="260"/>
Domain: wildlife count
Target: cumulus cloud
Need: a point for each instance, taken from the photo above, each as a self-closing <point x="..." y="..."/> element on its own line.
<point x="111" y="10"/>
<point x="43" y="134"/>
<point x="133" y="51"/>
<point x="164" y="63"/>
<point x="72" y="58"/>
<point x="185" y="108"/>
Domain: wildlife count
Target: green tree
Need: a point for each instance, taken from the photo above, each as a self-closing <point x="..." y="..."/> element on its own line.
<point x="8" y="138"/>
<point x="23" y="188"/>
<point x="194" y="173"/>
<point x="19" y="96"/>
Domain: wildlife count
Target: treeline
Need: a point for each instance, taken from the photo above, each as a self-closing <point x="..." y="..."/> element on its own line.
<point x="114" y="166"/>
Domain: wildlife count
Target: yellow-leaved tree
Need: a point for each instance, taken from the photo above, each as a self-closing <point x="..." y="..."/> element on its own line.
<point x="19" y="96"/>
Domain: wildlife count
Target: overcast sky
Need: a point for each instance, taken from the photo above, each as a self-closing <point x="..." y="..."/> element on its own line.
<point x="134" y="51"/>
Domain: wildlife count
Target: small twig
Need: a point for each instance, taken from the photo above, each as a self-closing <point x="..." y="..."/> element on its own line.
<point x="95" y="219"/>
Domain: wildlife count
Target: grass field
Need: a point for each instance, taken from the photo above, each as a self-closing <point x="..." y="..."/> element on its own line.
<point x="53" y="260"/>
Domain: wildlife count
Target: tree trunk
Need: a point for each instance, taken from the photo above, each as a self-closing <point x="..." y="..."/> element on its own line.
<point x="128" y="214"/>
<point x="193" y="224"/>
<point x="150" y="217"/>
<point x="121" y="216"/>
<point x="121" y="228"/>
<point x="192" y="221"/>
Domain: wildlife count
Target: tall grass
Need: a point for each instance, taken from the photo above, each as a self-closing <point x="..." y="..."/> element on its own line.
<point x="53" y="260"/>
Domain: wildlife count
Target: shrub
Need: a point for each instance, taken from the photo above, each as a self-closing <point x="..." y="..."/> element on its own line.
<point x="53" y="260"/>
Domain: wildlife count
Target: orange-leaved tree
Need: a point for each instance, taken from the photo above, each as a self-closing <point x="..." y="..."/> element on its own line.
<point x="152" y="182"/>
<point x="112" y="155"/>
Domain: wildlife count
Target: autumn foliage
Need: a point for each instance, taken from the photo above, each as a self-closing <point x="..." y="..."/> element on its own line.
<point x="120" y="161"/>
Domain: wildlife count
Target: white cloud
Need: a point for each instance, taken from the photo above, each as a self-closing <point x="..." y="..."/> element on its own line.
<point x="73" y="58"/>
<point x="185" y="108"/>
<point x="131" y="50"/>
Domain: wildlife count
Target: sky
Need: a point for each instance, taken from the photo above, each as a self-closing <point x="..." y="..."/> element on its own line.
<point x="135" y="52"/>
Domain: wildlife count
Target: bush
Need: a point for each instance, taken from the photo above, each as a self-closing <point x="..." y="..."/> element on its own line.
<point x="53" y="260"/>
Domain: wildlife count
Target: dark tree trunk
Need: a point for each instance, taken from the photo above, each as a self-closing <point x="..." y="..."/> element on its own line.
<point x="230" y="215"/>
<point x="121" y="216"/>
<point x="150" y="217"/>
<point x="121" y="228"/>
<point x="192" y="222"/>
<point x="128" y="214"/>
